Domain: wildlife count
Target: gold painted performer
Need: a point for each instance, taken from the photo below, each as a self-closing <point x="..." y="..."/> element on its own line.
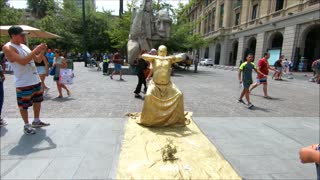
<point x="163" y="104"/>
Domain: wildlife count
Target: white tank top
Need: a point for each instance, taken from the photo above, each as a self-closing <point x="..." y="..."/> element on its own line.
<point x="24" y="75"/>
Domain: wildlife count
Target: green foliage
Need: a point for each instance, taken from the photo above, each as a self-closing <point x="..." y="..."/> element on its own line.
<point x="40" y="8"/>
<point x="9" y="15"/>
<point x="181" y="36"/>
<point x="67" y="23"/>
<point x="119" y="30"/>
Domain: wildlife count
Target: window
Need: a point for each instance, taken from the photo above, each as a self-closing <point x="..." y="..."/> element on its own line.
<point x="209" y="22"/>
<point x="279" y="5"/>
<point x="254" y="12"/>
<point x="236" y="3"/>
<point x="237" y="19"/>
<point x="213" y="19"/>
<point x="221" y="15"/>
<point x="205" y="25"/>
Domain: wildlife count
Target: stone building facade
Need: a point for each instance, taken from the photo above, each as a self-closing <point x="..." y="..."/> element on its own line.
<point x="237" y="27"/>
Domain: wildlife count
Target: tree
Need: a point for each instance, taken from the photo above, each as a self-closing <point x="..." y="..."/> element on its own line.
<point x="40" y="8"/>
<point x="67" y="22"/>
<point x="181" y="36"/>
<point x="9" y="15"/>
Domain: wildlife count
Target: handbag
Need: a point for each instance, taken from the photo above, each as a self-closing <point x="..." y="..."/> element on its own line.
<point x="52" y="71"/>
<point x="66" y="76"/>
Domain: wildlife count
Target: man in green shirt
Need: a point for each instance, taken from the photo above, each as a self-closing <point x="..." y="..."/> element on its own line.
<point x="246" y="78"/>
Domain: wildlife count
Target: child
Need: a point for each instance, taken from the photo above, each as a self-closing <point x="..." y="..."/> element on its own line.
<point x="246" y="70"/>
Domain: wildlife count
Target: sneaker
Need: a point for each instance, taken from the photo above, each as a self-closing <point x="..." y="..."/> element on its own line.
<point x="137" y="96"/>
<point x="3" y="123"/>
<point x="28" y="129"/>
<point x="121" y="79"/>
<point x="39" y="124"/>
<point x="241" y="101"/>
<point x="250" y="105"/>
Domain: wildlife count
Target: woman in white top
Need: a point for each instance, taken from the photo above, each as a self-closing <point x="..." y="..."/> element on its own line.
<point x="59" y="62"/>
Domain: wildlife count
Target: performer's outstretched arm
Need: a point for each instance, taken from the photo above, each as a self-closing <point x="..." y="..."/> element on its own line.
<point x="148" y="57"/>
<point x="177" y="58"/>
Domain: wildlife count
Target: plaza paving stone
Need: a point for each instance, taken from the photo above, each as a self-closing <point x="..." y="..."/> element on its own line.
<point x="84" y="139"/>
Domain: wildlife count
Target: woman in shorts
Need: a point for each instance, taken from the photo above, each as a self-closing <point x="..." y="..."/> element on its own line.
<point x="43" y="70"/>
<point x="60" y="62"/>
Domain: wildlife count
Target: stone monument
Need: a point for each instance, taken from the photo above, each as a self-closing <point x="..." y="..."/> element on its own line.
<point x="147" y="29"/>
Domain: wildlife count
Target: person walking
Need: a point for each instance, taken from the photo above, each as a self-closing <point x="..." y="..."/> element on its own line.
<point x="99" y="59"/>
<point x="59" y="63"/>
<point x="316" y="69"/>
<point x="263" y="67"/>
<point x="27" y="81"/>
<point x="196" y="62"/>
<point x="2" y="78"/>
<point x="153" y="51"/>
<point x="117" y="60"/>
<point x="141" y="65"/>
<point x="50" y="57"/>
<point x="105" y="64"/>
<point x="43" y="70"/>
<point x="246" y="79"/>
<point x="278" y="65"/>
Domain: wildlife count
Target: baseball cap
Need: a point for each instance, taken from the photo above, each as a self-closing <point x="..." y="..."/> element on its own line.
<point x="15" y="30"/>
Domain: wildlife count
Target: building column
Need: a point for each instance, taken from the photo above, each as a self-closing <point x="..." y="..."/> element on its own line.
<point x="217" y="16"/>
<point x="227" y="13"/>
<point x="259" y="46"/>
<point x="241" y="49"/>
<point x="224" y="54"/>
<point x="289" y="37"/>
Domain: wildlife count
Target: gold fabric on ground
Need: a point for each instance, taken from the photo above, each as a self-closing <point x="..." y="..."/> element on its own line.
<point x="141" y="157"/>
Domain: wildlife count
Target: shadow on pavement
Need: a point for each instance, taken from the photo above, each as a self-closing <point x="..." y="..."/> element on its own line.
<point x="64" y="99"/>
<point x="3" y="131"/>
<point x="260" y="109"/>
<point x="273" y="98"/>
<point x="27" y="143"/>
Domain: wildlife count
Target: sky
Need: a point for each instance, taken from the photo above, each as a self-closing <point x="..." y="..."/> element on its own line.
<point x="101" y="4"/>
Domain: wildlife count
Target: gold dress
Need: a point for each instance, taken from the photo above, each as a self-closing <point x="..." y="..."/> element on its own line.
<point x="163" y="103"/>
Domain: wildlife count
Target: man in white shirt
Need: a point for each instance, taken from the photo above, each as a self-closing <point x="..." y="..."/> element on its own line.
<point x="26" y="78"/>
